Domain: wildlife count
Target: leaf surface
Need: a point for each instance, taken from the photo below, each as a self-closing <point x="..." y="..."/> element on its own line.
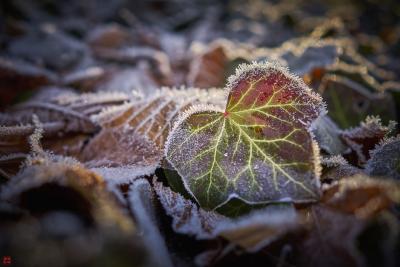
<point x="259" y="149"/>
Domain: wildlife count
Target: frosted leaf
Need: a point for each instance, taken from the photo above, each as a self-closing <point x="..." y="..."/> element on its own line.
<point x="153" y="117"/>
<point x="336" y="168"/>
<point x="260" y="228"/>
<point x="187" y="218"/>
<point x="15" y="139"/>
<point x="49" y="186"/>
<point x="327" y="135"/>
<point x="385" y="159"/>
<point x="362" y="196"/>
<point x="250" y="232"/>
<point x="84" y="190"/>
<point x="265" y="132"/>
<point x="364" y="138"/>
<point x="142" y="205"/>
<point x="120" y="155"/>
<point x="73" y="121"/>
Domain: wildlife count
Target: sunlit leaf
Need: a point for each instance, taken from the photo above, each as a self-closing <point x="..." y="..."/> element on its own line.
<point x="259" y="149"/>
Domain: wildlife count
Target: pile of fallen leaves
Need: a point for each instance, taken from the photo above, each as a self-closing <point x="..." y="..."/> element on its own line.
<point x="199" y="133"/>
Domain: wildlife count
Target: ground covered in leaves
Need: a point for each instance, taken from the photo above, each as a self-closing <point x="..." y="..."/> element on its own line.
<point x="199" y="133"/>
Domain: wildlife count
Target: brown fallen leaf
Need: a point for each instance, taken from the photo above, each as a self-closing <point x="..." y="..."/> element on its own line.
<point x="330" y="240"/>
<point x="121" y="155"/>
<point x="361" y="195"/>
<point x="364" y="138"/>
<point x="208" y="69"/>
<point x="19" y="78"/>
<point x="154" y="117"/>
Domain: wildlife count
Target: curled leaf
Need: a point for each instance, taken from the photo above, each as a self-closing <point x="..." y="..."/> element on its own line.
<point x="364" y="138"/>
<point x="259" y="149"/>
<point x="187" y="217"/>
<point x="336" y="168"/>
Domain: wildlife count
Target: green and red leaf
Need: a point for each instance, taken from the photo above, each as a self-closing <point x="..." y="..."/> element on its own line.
<point x="258" y="149"/>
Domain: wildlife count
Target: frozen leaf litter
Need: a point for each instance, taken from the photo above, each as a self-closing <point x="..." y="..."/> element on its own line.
<point x="199" y="133"/>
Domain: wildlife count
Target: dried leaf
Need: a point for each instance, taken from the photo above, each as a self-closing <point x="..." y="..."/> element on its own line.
<point x="362" y="196"/>
<point x="259" y="149"/>
<point x="208" y="69"/>
<point x="260" y="228"/>
<point x="120" y="155"/>
<point x="153" y="117"/>
<point x="187" y="218"/>
<point x="322" y="245"/>
<point x="69" y="214"/>
<point x="336" y="168"/>
<point x="364" y="138"/>
<point x="71" y="120"/>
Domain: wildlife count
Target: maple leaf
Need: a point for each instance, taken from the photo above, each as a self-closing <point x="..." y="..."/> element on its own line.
<point x="259" y="149"/>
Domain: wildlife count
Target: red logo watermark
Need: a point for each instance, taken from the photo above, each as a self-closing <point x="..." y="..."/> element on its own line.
<point x="6" y="260"/>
